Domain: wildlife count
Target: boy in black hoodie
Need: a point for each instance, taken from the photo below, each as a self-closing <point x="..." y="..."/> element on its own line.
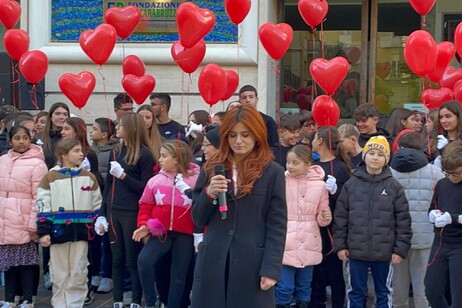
<point x="446" y="213"/>
<point x="367" y="117"/>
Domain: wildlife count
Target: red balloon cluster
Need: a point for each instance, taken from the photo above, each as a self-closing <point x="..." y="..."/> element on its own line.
<point x="445" y="53"/>
<point x="193" y="23"/>
<point x="133" y="65"/>
<point x="276" y="38"/>
<point x="232" y="81"/>
<point x="10" y="12"/>
<point x="98" y="44"/>
<point x="329" y="74"/>
<point x="433" y="99"/>
<point x="135" y="81"/>
<point x="420" y="52"/>
<point x="457" y="91"/>
<point x="313" y="12"/>
<point x="77" y="87"/>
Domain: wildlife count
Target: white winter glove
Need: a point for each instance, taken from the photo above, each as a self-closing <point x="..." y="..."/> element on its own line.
<point x="437" y="162"/>
<point x="101" y="225"/>
<point x="198" y="238"/>
<point x="85" y="164"/>
<point x="331" y="184"/>
<point x="442" y="142"/>
<point x="443" y="220"/>
<point x="434" y="214"/>
<point x="180" y="184"/>
<point x="194" y="129"/>
<point x="116" y="169"/>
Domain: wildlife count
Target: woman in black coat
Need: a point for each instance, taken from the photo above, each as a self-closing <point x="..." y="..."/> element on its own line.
<point x="240" y="259"/>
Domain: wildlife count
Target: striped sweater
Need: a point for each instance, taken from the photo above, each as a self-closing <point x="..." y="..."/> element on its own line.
<point x="68" y="201"/>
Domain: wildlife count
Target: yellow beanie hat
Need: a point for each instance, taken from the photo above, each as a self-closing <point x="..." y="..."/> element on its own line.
<point x="379" y="143"/>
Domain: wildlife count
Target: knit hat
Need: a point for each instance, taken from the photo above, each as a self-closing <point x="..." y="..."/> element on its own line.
<point x="379" y="143"/>
<point x="213" y="136"/>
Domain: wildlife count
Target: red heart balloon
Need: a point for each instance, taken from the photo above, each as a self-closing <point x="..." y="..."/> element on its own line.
<point x="420" y="52"/>
<point x="193" y="23"/>
<point x="329" y="74"/>
<point x="237" y="10"/>
<point x="457" y="91"/>
<point x="77" y="87"/>
<point x="450" y="77"/>
<point x="445" y="53"/>
<point x="313" y="12"/>
<point x="422" y="7"/>
<point x="98" y="44"/>
<point x="433" y="99"/>
<point x="139" y="88"/>
<point x="212" y="83"/>
<point x="276" y="39"/>
<point x="287" y="93"/>
<point x="458" y="38"/>
<point x="304" y="101"/>
<point x="123" y="19"/>
<point x="16" y="43"/>
<point x="133" y="65"/>
<point x="232" y="80"/>
<point x="325" y="111"/>
<point x="188" y="59"/>
<point x="33" y="65"/>
<point x="10" y="12"/>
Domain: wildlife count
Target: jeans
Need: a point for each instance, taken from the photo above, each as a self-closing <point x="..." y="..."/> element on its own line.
<point x="105" y="270"/>
<point x="182" y="248"/>
<point x="294" y="283"/>
<point x="382" y="273"/>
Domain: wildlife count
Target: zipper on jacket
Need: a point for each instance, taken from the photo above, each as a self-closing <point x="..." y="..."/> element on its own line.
<point x="370" y="218"/>
<point x="73" y="209"/>
<point x="172" y="205"/>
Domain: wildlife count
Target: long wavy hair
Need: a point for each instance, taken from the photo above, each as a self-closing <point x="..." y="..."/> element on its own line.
<point x="155" y="139"/>
<point x="48" y="126"/>
<point x="456" y="108"/>
<point x="251" y="167"/>
<point x="80" y="129"/>
<point x="136" y="137"/>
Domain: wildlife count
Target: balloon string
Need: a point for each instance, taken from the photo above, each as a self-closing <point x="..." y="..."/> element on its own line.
<point x="14" y="69"/>
<point x="423" y="24"/>
<point x="313" y="92"/>
<point x="181" y="100"/>
<point x="278" y="95"/>
<point x="100" y="71"/>
<point x="322" y="39"/>
<point x="34" y="96"/>
<point x="187" y="97"/>
<point x="123" y="50"/>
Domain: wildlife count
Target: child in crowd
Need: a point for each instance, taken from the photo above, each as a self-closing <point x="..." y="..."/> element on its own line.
<point x="372" y="225"/>
<point x="21" y="170"/>
<point x="367" y="118"/>
<point x="334" y="162"/>
<point x="288" y="136"/>
<point x="307" y="209"/>
<point x="165" y="213"/>
<point x="418" y="178"/>
<point x="446" y="213"/>
<point x="68" y="200"/>
<point x="130" y="170"/>
<point x="349" y="137"/>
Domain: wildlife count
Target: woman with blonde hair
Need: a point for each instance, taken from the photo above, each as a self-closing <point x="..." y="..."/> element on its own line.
<point x="155" y="139"/>
<point x="240" y="258"/>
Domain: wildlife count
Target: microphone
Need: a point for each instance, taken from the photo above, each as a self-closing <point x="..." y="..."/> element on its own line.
<point x="223" y="207"/>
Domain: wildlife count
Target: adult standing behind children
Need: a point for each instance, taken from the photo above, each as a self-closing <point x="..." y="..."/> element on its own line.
<point x="372" y="225"/>
<point x="167" y="126"/>
<point x="418" y="178"/>
<point x="248" y="95"/>
<point x="21" y="171"/>
<point x="446" y="213"/>
<point x="240" y="259"/>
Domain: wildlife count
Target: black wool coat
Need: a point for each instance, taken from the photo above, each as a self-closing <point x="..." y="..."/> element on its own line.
<point x="248" y="244"/>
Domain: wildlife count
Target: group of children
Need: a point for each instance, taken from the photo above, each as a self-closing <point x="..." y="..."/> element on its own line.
<point x="351" y="203"/>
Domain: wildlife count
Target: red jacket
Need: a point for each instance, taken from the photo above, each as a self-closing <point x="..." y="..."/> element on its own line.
<point x="162" y="200"/>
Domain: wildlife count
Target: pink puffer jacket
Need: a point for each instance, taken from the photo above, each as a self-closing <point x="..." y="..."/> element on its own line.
<point x="20" y="175"/>
<point x="307" y="197"/>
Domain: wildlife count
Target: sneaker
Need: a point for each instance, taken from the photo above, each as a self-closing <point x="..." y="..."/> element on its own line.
<point x="47" y="282"/>
<point x="90" y="296"/>
<point x="132" y="305"/>
<point x="118" y="305"/>
<point x="105" y="286"/>
<point x="95" y="281"/>
<point x="127" y="298"/>
<point x="17" y="299"/>
<point x="7" y="305"/>
<point x="26" y="304"/>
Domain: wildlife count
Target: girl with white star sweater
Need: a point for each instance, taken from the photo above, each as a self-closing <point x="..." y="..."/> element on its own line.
<point x="165" y="223"/>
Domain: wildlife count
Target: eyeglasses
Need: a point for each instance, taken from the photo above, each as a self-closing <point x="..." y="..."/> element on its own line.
<point x="309" y="124"/>
<point x="206" y="144"/>
<point x="453" y="173"/>
<point x="126" y="109"/>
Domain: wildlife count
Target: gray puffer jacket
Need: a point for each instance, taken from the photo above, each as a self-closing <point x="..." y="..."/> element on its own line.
<point x="371" y="219"/>
<point x="412" y="170"/>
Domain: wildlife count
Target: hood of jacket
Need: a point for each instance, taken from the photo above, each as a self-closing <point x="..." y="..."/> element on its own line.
<point x="34" y="151"/>
<point x="361" y="173"/>
<point x="315" y="173"/>
<point x="408" y="160"/>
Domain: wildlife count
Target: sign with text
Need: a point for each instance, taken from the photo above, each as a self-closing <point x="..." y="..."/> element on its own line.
<point x="157" y="16"/>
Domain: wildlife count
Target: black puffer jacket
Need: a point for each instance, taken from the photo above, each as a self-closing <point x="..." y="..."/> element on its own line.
<point x="371" y="219"/>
